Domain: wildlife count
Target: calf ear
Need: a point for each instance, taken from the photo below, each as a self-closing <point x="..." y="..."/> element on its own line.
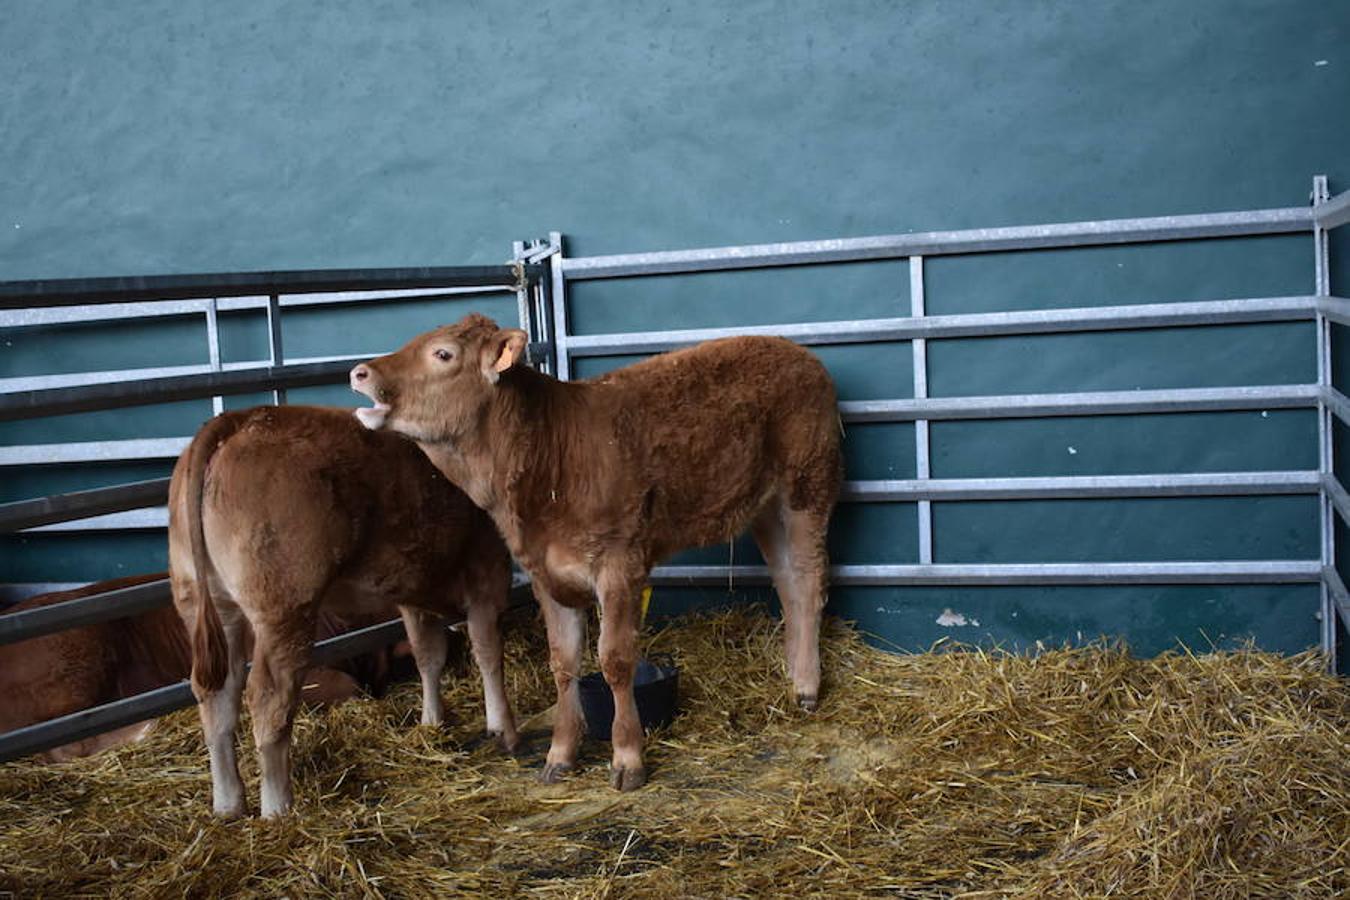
<point x="502" y="351"/>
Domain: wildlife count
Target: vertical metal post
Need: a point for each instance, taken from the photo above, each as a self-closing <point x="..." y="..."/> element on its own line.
<point x="522" y="294"/>
<point x="274" y="341"/>
<point x="213" y="349"/>
<point x="540" y="307"/>
<point x="559" y="283"/>
<point x="1325" y="459"/>
<point x="919" y="351"/>
<point x="539" y="293"/>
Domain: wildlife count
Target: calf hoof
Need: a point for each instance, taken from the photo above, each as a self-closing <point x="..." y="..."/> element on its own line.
<point x="231" y="813"/>
<point x="808" y="702"/>
<point x="555" y="772"/>
<point x="626" y="779"/>
<point x="507" y="743"/>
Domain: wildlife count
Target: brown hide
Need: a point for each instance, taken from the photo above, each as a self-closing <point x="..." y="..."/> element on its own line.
<point x="54" y="675"/>
<point x="594" y="482"/>
<point x="62" y="673"/>
<point x="279" y="515"/>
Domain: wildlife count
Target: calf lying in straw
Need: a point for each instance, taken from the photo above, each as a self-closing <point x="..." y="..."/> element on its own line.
<point x="57" y="674"/>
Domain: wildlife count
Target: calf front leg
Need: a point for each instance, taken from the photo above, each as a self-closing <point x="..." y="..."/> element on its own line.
<point x="486" y="638"/>
<point x="426" y="634"/>
<point x="618" y="661"/>
<point x="566" y="637"/>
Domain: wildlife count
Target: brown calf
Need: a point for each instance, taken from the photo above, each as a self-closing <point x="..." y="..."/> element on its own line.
<point x="594" y="482"/>
<point x="278" y="512"/>
<point x="57" y="674"/>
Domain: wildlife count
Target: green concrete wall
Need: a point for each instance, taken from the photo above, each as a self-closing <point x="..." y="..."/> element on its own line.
<point x="182" y="137"/>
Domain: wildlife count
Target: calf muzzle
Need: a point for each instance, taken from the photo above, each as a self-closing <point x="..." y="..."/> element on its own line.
<point x="364" y="381"/>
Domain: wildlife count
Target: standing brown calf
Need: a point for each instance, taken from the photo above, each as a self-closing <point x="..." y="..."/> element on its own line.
<point x="278" y="512"/>
<point x="594" y="482"/>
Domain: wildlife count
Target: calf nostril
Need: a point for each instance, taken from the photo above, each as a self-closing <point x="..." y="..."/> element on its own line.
<point x="360" y="373"/>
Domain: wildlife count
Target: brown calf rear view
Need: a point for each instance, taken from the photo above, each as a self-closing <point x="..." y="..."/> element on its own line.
<point x="279" y="513"/>
<point x="592" y="483"/>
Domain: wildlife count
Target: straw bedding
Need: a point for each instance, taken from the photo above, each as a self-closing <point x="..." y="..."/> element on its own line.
<point x="1076" y="773"/>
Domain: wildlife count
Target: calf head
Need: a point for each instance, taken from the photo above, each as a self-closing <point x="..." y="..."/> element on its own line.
<point x="436" y="387"/>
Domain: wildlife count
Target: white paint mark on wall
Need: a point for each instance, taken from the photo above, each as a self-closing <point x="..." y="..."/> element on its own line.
<point x="1073" y="451"/>
<point x="1320" y="62"/>
<point x="952" y="619"/>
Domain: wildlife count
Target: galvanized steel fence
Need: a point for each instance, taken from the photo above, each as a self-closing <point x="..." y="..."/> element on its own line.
<point x="539" y="277"/>
<point x="1319" y="307"/>
<point x="140" y="504"/>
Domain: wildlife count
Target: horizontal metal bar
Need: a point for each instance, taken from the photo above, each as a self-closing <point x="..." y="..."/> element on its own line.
<point x="1037" y="321"/>
<point x="1338" y="403"/>
<point x="1083" y="486"/>
<point x="1154" y="315"/>
<point x="1336" y="493"/>
<point x="152" y="518"/>
<point x="74" y="315"/>
<point x="93" y="721"/>
<point x="935" y="243"/>
<point x="82" y="504"/>
<point x="14" y="591"/>
<point x="363" y="640"/>
<point x="75" y="291"/>
<point x="118" y="604"/>
<point x="1337" y="309"/>
<point x="1215" y="484"/>
<point x="70" y="315"/>
<point x="61" y="401"/>
<point x="1083" y="404"/>
<point x="1244" y="572"/>
<point x="78" y="379"/>
<point x="1334" y="212"/>
<point x="1030" y="405"/>
<point x="334" y="298"/>
<point x="93" y="451"/>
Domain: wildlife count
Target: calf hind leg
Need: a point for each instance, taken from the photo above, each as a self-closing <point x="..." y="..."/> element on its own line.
<point x="809" y="571"/>
<point x="219" y="711"/>
<point x="280" y="658"/>
<point x="793" y="544"/>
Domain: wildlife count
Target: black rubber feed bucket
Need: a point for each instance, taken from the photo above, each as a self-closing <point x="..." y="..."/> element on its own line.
<point x="656" y="687"/>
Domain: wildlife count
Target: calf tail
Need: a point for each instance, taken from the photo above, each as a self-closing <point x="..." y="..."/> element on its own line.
<point x="210" y="652"/>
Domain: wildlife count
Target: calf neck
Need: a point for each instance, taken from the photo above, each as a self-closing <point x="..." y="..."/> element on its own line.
<point x="592" y="483"/>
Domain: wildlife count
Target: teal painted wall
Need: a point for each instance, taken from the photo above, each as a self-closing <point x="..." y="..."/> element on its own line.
<point x="186" y="136"/>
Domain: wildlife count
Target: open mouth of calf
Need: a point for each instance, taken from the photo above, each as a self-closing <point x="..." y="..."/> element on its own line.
<point x="373" y="417"/>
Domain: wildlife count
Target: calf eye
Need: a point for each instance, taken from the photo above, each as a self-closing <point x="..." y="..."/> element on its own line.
<point x="443" y="355"/>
